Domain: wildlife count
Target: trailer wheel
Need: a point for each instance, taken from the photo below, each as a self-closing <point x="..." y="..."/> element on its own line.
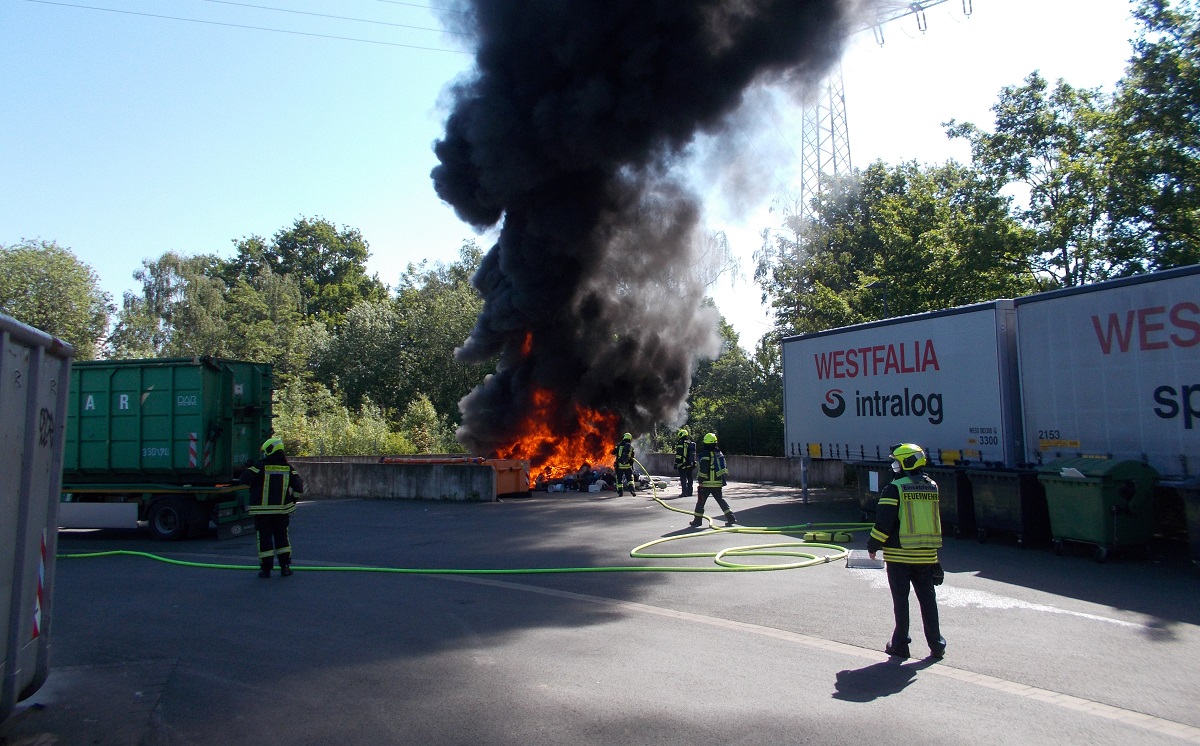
<point x="168" y="519"/>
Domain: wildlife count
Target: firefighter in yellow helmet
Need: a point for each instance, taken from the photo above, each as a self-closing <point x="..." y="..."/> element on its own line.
<point x="623" y="452"/>
<point x="713" y="476"/>
<point x="685" y="461"/>
<point x="908" y="528"/>
<point x="273" y="487"/>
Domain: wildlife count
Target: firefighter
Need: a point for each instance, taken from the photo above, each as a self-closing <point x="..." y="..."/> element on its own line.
<point x="908" y="527"/>
<point x="685" y="461"/>
<point x="713" y="476"/>
<point x="624" y="465"/>
<point x="273" y="484"/>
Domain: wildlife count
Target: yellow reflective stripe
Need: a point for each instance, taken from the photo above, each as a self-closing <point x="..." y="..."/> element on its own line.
<point x="878" y="535"/>
<point x="888" y="501"/>
<point x="910" y="556"/>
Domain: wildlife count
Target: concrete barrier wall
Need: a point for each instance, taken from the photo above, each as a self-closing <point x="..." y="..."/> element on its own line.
<point x="350" y="479"/>
<point x="362" y="476"/>
<point x="821" y="472"/>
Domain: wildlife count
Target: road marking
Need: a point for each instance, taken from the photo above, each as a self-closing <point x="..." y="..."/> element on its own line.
<point x="1099" y="709"/>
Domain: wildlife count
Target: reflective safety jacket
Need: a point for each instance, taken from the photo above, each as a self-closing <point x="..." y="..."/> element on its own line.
<point x="908" y="523"/>
<point x="624" y="453"/>
<point x="685" y="454"/>
<point x="273" y="484"/>
<point x="712" y="468"/>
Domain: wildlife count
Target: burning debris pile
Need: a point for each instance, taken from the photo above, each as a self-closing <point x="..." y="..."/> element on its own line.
<point x="568" y="134"/>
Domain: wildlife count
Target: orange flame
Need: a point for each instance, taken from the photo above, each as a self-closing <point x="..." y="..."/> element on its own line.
<point x="553" y="455"/>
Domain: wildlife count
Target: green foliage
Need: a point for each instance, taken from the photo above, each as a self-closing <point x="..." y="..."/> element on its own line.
<point x="1050" y="142"/>
<point x="428" y="431"/>
<point x="934" y="236"/>
<point x="312" y="422"/>
<point x="329" y="265"/>
<point x="47" y="287"/>
<point x="738" y="397"/>
<point x="1153" y="143"/>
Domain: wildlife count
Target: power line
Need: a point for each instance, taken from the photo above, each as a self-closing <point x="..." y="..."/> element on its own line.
<point x="326" y="15"/>
<point x="251" y="28"/>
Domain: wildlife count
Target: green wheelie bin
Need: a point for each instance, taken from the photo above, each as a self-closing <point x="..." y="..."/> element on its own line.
<point x="1104" y="502"/>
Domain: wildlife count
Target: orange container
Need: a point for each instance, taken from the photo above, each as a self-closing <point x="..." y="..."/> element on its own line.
<point x="512" y="475"/>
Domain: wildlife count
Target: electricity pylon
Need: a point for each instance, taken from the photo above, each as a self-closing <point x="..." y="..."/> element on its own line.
<point x="824" y="133"/>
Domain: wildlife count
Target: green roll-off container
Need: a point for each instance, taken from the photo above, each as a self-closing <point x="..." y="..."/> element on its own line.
<point x="188" y="421"/>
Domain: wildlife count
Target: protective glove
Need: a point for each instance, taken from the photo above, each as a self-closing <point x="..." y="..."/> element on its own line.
<point x="939" y="575"/>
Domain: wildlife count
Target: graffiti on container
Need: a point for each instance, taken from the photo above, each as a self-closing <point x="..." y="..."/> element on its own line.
<point x="45" y="426"/>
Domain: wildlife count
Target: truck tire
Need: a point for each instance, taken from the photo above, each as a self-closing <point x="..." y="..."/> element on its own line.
<point x="168" y="518"/>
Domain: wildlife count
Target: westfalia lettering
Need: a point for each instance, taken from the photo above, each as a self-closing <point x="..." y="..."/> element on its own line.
<point x="1157" y="328"/>
<point x="877" y="360"/>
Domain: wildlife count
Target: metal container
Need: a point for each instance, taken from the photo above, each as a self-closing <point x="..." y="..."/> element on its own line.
<point x="956" y="500"/>
<point x="34" y="371"/>
<point x="872" y="476"/>
<point x="1099" y="501"/>
<point x="176" y="421"/>
<point x="1010" y="501"/>
<point x="945" y="380"/>
<point x="1112" y="370"/>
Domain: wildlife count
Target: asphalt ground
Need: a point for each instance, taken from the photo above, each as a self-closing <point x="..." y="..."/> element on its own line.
<point x="1042" y="648"/>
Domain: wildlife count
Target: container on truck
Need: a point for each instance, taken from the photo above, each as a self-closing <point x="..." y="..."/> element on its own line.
<point x="34" y="371"/>
<point x="163" y="441"/>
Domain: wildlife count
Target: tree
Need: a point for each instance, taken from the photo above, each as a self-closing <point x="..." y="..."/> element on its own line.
<point x="1153" y="142"/>
<point x="328" y="263"/>
<point x="934" y="236"/>
<point x="46" y="286"/>
<point x="1050" y="143"/>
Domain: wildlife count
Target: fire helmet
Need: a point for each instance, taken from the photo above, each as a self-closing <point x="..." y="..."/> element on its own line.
<point x="710" y="439"/>
<point x="907" y="456"/>
<point x="272" y="445"/>
<point x="683" y="433"/>
<point x="627" y="436"/>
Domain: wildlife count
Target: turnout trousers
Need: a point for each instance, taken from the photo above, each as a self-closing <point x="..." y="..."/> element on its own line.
<point x="702" y="497"/>
<point x="272" y="529"/>
<point x="920" y="577"/>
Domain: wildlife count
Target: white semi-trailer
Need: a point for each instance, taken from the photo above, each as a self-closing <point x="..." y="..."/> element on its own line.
<point x="1109" y="370"/>
<point x="1113" y="370"/>
<point x="945" y="380"/>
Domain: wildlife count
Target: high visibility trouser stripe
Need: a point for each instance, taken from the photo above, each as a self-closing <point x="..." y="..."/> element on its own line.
<point x="910" y="556"/>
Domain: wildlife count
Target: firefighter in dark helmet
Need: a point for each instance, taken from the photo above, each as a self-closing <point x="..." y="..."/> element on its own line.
<point x="908" y="528"/>
<point x="624" y="464"/>
<point x="273" y="484"/>
<point x="685" y="461"/>
<point x="713" y="476"/>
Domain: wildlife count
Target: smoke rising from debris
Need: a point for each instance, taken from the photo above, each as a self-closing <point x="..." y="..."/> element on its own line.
<point x="569" y="133"/>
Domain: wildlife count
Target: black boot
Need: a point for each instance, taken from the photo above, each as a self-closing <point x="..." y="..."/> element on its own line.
<point x="265" y="565"/>
<point x="698" y="521"/>
<point x="728" y="519"/>
<point x="285" y="566"/>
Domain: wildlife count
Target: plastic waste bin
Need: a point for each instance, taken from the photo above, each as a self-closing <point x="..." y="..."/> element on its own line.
<point x="872" y="476"/>
<point x="955" y="499"/>
<point x="1009" y="501"/>
<point x="1099" y="501"/>
<point x="1189" y="490"/>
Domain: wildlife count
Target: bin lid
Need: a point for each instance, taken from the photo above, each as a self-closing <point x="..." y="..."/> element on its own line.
<point x="1097" y="467"/>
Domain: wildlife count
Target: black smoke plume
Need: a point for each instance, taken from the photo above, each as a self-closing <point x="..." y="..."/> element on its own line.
<point x="570" y="130"/>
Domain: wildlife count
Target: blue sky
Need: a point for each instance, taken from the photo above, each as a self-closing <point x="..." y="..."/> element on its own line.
<point x="127" y="134"/>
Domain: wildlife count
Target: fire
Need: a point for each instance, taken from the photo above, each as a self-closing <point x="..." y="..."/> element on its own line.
<point x="552" y="455"/>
